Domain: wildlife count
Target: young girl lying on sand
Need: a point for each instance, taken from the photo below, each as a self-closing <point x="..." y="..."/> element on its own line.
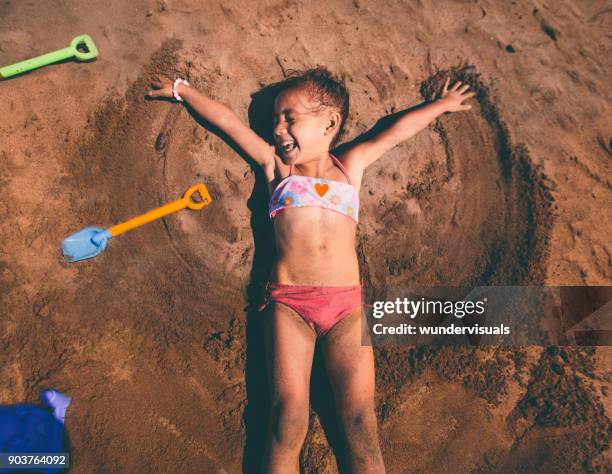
<point x="314" y="292"/>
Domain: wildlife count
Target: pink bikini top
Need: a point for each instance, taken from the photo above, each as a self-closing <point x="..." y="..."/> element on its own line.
<point x="307" y="191"/>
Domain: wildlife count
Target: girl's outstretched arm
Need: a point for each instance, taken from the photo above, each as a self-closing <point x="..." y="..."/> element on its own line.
<point x="405" y="125"/>
<point x="224" y="118"/>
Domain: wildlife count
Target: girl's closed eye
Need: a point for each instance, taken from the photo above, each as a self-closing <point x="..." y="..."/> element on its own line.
<point x="288" y="120"/>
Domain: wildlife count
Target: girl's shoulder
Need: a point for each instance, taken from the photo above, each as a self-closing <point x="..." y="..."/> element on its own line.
<point x="354" y="172"/>
<point x="281" y="170"/>
<point x="276" y="172"/>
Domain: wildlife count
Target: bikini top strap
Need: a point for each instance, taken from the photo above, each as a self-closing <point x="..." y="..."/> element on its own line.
<point x="337" y="161"/>
<point x="342" y="168"/>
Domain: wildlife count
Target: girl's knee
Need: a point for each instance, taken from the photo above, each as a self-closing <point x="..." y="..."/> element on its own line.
<point x="289" y="421"/>
<point x="359" y="420"/>
<point x="360" y="430"/>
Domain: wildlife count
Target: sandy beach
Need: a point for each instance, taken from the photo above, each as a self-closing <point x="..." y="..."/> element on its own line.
<point x="158" y="340"/>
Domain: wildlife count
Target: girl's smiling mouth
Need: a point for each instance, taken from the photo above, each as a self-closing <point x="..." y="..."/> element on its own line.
<point x="287" y="146"/>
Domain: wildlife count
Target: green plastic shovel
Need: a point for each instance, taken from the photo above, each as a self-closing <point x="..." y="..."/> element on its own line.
<point x="72" y="51"/>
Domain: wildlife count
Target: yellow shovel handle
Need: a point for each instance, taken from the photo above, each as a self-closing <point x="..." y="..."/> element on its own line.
<point x="160" y="212"/>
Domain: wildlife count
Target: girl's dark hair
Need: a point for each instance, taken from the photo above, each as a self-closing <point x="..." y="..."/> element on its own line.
<point x="323" y="86"/>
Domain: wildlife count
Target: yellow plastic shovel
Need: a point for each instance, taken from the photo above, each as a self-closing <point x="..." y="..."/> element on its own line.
<point x="90" y="241"/>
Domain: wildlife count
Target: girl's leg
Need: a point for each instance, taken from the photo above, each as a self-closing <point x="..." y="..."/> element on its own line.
<point x="289" y="348"/>
<point x="351" y="373"/>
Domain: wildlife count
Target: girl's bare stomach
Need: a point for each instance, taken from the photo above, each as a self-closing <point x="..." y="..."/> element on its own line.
<point x="315" y="247"/>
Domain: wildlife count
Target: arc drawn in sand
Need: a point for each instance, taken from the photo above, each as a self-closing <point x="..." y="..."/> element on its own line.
<point x="474" y="211"/>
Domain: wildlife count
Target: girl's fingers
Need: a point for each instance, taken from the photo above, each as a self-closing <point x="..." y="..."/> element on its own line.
<point x="455" y="86"/>
<point x="445" y="84"/>
<point x="157" y="93"/>
<point x="160" y="88"/>
<point x="463" y="88"/>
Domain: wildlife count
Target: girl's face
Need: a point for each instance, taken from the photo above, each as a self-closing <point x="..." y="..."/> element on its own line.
<point x="301" y="127"/>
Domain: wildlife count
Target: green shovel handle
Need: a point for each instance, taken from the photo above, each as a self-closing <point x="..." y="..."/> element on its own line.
<point x="89" y="44"/>
<point x="54" y="57"/>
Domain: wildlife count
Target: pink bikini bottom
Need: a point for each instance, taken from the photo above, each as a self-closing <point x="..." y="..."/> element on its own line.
<point x="321" y="307"/>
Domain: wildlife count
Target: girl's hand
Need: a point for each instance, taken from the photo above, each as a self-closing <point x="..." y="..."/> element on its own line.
<point x="160" y="89"/>
<point x="452" y="98"/>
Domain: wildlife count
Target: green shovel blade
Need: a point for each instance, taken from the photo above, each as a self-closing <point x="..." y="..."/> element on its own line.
<point x="54" y="57"/>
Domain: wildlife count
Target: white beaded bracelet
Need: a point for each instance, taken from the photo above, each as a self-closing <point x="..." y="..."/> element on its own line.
<point x="175" y="93"/>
